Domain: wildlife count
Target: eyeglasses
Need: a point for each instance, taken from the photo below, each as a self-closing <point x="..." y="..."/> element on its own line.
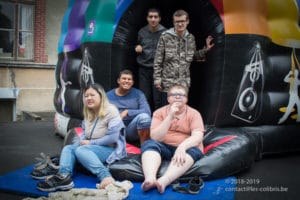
<point x="180" y="22"/>
<point x="177" y="95"/>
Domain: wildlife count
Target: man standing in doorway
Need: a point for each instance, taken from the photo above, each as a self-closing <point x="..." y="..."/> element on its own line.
<point x="176" y="50"/>
<point x="148" y="37"/>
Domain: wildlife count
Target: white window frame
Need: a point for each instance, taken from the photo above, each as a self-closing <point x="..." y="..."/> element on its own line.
<point x="18" y="49"/>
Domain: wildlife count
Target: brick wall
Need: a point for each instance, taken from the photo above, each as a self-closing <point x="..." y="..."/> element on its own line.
<point x="40" y="32"/>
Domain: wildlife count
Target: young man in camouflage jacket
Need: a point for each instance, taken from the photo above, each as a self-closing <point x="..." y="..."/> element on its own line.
<point x="175" y="51"/>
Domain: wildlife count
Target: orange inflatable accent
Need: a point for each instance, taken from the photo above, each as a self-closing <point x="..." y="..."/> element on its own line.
<point x="244" y="16"/>
<point x="275" y="19"/>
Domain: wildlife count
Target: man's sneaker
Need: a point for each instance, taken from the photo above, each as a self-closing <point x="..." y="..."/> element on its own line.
<point x="56" y="182"/>
<point x="47" y="170"/>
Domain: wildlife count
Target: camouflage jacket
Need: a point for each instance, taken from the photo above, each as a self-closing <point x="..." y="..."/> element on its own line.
<point x="173" y="58"/>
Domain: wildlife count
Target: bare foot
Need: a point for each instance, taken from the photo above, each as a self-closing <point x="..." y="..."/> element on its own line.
<point x="105" y="182"/>
<point x="147" y="185"/>
<point x="161" y="184"/>
<point x="160" y="187"/>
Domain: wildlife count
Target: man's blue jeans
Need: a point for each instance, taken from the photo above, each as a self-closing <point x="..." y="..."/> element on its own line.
<point x="140" y="122"/>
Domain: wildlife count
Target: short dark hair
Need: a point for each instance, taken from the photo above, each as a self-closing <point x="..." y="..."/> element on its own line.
<point x="156" y="10"/>
<point x="125" y="71"/>
<point x="179" y="13"/>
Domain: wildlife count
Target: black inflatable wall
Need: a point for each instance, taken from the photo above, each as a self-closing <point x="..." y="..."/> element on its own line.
<point x="248" y="86"/>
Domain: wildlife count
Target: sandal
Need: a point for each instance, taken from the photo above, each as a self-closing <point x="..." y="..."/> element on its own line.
<point x="193" y="187"/>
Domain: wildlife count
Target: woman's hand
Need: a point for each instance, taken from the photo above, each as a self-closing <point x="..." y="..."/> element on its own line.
<point x="84" y="142"/>
<point x="124" y="113"/>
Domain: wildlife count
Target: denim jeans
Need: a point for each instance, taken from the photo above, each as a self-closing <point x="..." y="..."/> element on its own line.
<point x="92" y="157"/>
<point x="167" y="151"/>
<point x="140" y="122"/>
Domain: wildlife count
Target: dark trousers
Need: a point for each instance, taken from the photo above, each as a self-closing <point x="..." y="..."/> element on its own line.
<point x="146" y="84"/>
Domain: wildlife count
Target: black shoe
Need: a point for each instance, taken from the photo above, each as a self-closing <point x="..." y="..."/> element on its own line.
<point x="47" y="170"/>
<point x="56" y="182"/>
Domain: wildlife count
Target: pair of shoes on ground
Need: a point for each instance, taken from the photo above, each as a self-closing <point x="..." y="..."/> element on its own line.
<point x="193" y="187"/>
<point x="44" y="159"/>
<point x="45" y="166"/>
<point x="56" y="182"/>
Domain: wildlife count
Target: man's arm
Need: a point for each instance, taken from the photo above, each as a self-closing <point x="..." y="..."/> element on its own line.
<point x="158" y="63"/>
<point x="194" y="140"/>
<point x="160" y="127"/>
<point x="201" y="54"/>
<point x="143" y="106"/>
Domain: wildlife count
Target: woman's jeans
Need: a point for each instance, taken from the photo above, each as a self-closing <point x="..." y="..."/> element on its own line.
<point x="92" y="157"/>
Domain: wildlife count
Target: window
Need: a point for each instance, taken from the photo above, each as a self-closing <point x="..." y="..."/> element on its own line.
<point x="16" y="30"/>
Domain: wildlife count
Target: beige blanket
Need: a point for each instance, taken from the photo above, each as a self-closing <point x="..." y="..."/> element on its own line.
<point x="115" y="191"/>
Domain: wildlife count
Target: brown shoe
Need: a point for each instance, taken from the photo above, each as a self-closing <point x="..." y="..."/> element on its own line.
<point x="144" y="135"/>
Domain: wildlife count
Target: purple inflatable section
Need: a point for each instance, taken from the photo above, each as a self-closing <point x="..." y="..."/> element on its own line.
<point x="76" y="25"/>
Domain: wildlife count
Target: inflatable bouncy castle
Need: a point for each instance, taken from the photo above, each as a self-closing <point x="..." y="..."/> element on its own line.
<point x="247" y="90"/>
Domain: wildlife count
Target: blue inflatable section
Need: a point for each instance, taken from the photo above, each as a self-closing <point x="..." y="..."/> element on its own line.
<point x="121" y="7"/>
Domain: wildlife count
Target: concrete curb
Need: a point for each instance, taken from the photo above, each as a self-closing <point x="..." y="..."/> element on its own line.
<point x="26" y="115"/>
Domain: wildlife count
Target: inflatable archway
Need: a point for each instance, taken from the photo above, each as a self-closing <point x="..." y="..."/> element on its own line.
<point x="247" y="91"/>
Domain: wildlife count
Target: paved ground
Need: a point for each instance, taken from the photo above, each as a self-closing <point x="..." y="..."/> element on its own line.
<point x="21" y="142"/>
